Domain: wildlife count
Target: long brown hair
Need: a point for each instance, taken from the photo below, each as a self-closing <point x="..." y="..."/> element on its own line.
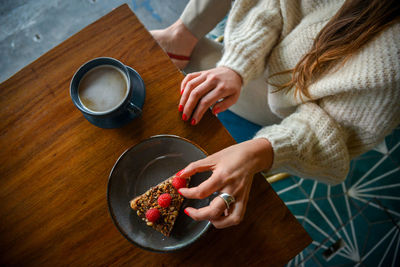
<point x="356" y="22"/>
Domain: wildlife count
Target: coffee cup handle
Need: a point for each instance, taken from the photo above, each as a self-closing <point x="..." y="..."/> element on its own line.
<point x="135" y="110"/>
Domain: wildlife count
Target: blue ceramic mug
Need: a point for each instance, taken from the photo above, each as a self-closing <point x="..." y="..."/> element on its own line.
<point x="108" y="74"/>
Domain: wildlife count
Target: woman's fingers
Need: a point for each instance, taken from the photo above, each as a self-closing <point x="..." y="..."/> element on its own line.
<point x="188" y="78"/>
<point x="205" y="103"/>
<point x="224" y="104"/>
<point x="232" y="219"/>
<point x="210" y="212"/>
<point x="191" y="84"/>
<point x="192" y="97"/>
<point x="207" y="187"/>
<point x="201" y="165"/>
<point x="203" y="89"/>
<point x="203" y="190"/>
<point x="238" y="211"/>
<point x="214" y="212"/>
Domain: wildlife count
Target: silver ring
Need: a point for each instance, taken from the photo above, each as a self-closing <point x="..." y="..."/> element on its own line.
<point x="228" y="199"/>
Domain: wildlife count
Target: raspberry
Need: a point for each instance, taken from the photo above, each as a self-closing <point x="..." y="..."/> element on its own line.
<point x="153" y="215"/>
<point x="164" y="200"/>
<point x="178" y="182"/>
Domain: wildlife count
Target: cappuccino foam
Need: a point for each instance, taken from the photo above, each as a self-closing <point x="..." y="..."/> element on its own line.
<point x="103" y="88"/>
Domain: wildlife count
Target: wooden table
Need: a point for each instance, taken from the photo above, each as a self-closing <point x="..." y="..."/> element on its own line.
<point x="54" y="165"/>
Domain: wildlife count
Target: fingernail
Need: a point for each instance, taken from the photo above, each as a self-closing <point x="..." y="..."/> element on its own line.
<point x="216" y="110"/>
<point x="193" y="122"/>
<point x="184" y="117"/>
<point x="186" y="212"/>
<point x="179" y="173"/>
<point x="182" y="92"/>
<point x="179" y="191"/>
<point x="180" y="108"/>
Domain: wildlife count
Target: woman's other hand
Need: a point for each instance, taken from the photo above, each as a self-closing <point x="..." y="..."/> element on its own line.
<point x="201" y="90"/>
<point x="233" y="169"/>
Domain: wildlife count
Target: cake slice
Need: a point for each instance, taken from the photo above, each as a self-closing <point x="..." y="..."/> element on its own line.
<point x="159" y="206"/>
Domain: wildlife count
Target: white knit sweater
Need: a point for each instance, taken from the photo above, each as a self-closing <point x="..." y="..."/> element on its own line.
<point x="352" y="108"/>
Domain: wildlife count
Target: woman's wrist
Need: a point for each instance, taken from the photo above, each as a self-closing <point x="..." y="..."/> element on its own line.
<point x="181" y="33"/>
<point x="262" y="153"/>
<point x="234" y="73"/>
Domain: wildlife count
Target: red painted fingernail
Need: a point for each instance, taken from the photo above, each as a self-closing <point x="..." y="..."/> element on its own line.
<point x="193" y="122"/>
<point x="182" y="92"/>
<point x="216" y="110"/>
<point x="179" y="173"/>
<point x="180" y="108"/>
<point x="187" y="213"/>
<point x="184" y="117"/>
<point x="179" y="191"/>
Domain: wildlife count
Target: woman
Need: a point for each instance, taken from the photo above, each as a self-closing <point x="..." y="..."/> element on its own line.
<point x="333" y="90"/>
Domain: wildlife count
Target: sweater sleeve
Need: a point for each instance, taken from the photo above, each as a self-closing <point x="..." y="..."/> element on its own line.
<point x="320" y="138"/>
<point x="253" y="28"/>
<point x="309" y="143"/>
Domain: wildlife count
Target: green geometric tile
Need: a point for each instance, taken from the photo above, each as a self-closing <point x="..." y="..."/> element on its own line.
<point x="337" y="190"/>
<point x="386" y="166"/>
<point x="321" y="191"/>
<point x="381" y="187"/>
<point x="313" y="229"/>
<point x="308" y="185"/>
<point x="318" y="215"/>
<point x="298" y="209"/>
<point x="285" y="183"/>
<point x="339" y="205"/>
<point x="376" y="242"/>
<point x="363" y="165"/>
<point x="395" y="151"/>
<point x="292" y="195"/>
<point x="393" y="139"/>
<point x="376" y="215"/>
<point x="330" y="218"/>
<point x="361" y="210"/>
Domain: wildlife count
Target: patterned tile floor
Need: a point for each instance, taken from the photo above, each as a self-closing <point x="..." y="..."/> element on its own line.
<point x="362" y="213"/>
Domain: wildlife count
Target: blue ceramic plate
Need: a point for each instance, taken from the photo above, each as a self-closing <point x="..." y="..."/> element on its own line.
<point x="143" y="166"/>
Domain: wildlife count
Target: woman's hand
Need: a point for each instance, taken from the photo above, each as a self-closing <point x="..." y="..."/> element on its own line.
<point x="233" y="169"/>
<point x="201" y="90"/>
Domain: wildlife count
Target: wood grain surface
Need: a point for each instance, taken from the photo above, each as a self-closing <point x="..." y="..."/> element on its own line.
<point x="54" y="165"/>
